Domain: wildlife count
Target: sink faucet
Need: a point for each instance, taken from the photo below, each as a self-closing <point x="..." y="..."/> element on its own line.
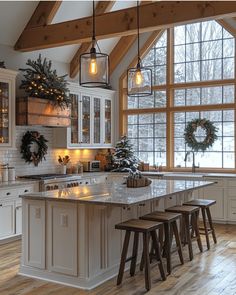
<point x="193" y="165"/>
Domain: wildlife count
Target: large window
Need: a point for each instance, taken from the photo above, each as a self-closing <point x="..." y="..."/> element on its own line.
<point x="194" y="77"/>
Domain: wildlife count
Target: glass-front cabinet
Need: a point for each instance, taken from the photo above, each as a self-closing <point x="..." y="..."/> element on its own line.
<point x="91" y="120"/>
<point x="7" y="108"/>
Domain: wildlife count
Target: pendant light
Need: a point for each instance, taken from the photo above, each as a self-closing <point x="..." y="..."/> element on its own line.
<point x="139" y="78"/>
<point x="94" y="65"/>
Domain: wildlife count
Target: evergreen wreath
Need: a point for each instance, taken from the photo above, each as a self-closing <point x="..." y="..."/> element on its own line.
<point x="208" y="141"/>
<point x="43" y="82"/>
<point x="28" y="139"/>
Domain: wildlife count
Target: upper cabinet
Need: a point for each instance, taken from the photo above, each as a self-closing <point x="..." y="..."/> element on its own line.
<point x="7" y="108"/>
<point x="91" y="119"/>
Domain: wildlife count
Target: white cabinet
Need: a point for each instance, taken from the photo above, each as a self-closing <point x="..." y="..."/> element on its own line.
<point x="11" y="211"/>
<point x="91" y="120"/>
<point x="7" y="108"/>
<point x="216" y="192"/>
<point x="34" y="233"/>
<point x="62" y="237"/>
<point x="7" y="219"/>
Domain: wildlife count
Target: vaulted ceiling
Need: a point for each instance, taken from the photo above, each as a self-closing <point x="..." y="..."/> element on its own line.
<point x="15" y="15"/>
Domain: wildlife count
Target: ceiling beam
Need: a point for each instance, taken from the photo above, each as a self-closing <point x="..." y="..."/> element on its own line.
<point x="154" y="16"/>
<point x="101" y="7"/>
<point x="120" y="50"/>
<point x="228" y="27"/>
<point x="122" y="47"/>
<point x="43" y="14"/>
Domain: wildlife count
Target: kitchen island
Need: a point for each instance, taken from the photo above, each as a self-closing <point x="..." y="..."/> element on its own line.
<point x="69" y="235"/>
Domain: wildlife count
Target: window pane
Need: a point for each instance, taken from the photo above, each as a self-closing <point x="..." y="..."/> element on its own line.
<point x="228" y="45"/>
<point x="193" y="52"/>
<point x="215" y="156"/>
<point x="228" y="68"/>
<point x="211" y="30"/>
<point x="211" y="69"/>
<point x="228" y="94"/>
<point x="160" y="98"/>
<point x="179" y="73"/>
<point x="192" y="71"/>
<point x="211" y="50"/>
<point x="193" y="33"/>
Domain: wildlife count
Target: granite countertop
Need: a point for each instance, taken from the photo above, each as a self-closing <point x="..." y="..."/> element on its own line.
<point x="118" y="194"/>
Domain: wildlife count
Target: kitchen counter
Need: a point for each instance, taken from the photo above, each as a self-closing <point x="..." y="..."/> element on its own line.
<point x="69" y="235"/>
<point x="118" y="194"/>
<point x="17" y="182"/>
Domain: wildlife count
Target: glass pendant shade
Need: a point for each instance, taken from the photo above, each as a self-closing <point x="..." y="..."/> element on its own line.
<point x="94" y="69"/>
<point x="139" y="81"/>
<point x="94" y="66"/>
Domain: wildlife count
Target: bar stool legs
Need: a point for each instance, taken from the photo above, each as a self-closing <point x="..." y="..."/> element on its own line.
<point x="211" y="224"/>
<point x="123" y="257"/>
<point x="134" y="254"/>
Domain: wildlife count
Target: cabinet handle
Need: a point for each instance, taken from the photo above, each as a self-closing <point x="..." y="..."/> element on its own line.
<point x="8" y="194"/>
<point x="26" y="191"/>
<point x="86" y="182"/>
<point x="0" y="205"/>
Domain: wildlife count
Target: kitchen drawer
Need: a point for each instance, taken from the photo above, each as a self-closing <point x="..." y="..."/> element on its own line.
<point x="15" y="192"/>
<point x="232" y="192"/>
<point x="231" y="182"/>
<point x="220" y="182"/>
<point x="232" y="209"/>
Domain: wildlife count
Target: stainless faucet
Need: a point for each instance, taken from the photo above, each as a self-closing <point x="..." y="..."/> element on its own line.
<point x="193" y="165"/>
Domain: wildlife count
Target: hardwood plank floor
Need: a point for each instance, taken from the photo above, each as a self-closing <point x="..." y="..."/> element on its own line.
<point x="210" y="273"/>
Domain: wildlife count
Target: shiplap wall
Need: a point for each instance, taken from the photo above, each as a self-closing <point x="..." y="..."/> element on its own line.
<point x="50" y="165"/>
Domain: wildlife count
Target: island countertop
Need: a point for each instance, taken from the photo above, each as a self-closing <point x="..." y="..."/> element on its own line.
<point x="117" y="194"/>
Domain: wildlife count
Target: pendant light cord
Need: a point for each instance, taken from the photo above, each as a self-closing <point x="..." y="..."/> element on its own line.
<point x="139" y="60"/>
<point x="93" y="38"/>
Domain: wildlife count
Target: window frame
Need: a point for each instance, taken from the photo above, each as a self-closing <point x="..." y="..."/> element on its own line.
<point x="170" y="109"/>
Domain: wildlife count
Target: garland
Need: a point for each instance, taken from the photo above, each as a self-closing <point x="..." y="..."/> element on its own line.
<point x="41" y="81"/>
<point x="28" y="139"/>
<point x="208" y="141"/>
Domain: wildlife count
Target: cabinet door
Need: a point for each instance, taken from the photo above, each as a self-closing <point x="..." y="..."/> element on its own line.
<point x="18" y="218"/>
<point x="96" y="120"/>
<point x="215" y="193"/>
<point x="108" y="122"/>
<point x="62" y="237"/>
<point x="5" y="120"/>
<point x="7" y="219"/>
<point x="86" y="119"/>
<point x="34" y="233"/>
<point x="74" y="130"/>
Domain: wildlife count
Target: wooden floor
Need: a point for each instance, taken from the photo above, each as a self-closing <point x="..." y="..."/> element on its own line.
<point x="210" y="273"/>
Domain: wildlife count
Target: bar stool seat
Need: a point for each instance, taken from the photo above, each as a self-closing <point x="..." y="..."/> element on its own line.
<point x="170" y="227"/>
<point x="147" y="229"/>
<point x="206" y="216"/>
<point x="189" y="213"/>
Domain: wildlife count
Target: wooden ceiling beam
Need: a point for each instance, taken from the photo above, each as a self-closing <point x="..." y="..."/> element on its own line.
<point x="227" y="27"/>
<point x="101" y="7"/>
<point x="154" y="16"/>
<point x="43" y="14"/>
<point x="122" y="47"/>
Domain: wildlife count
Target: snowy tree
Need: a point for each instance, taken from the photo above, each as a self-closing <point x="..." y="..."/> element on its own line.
<point x="124" y="159"/>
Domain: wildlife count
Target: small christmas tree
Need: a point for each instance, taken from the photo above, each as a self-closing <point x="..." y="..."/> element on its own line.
<point x="42" y="82"/>
<point x="124" y="159"/>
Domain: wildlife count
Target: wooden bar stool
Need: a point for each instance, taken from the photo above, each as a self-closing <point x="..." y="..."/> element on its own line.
<point x="189" y="213"/>
<point x="170" y="227"/>
<point x="206" y="216"/>
<point x="147" y="228"/>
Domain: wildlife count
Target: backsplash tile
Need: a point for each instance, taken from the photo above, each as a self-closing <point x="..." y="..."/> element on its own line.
<point x="13" y="157"/>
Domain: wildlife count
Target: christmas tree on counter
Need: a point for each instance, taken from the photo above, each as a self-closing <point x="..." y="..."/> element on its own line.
<point x="124" y="159"/>
<point x="43" y="82"/>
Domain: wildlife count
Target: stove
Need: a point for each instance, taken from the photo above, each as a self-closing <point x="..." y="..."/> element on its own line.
<point x="49" y="182"/>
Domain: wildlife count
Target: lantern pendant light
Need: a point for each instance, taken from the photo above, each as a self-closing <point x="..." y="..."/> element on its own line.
<point x="94" y="65"/>
<point x="140" y="78"/>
